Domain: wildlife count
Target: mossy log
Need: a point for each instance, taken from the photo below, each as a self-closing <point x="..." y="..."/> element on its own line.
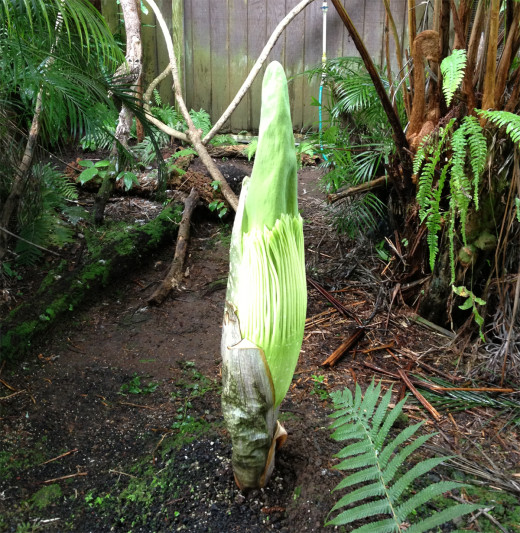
<point x="53" y="301"/>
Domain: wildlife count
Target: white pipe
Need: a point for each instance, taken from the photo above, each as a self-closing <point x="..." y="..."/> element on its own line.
<point x="324" y="8"/>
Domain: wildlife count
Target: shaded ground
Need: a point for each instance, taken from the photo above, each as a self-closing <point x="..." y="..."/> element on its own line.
<point x="114" y="423"/>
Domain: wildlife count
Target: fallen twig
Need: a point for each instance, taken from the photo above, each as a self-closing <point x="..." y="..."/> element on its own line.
<point x="420" y="320"/>
<point x="65" y="477"/>
<point x="336" y="355"/>
<point x="111" y="471"/>
<point x="11" y="395"/>
<point x="357" y="189"/>
<point x="473" y="389"/>
<point x="376" y="348"/>
<point x="5" y="384"/>
<point x="336" y="303"/>
<point x="136" y="405"/>
<point x="417" y="361"/>
<point x="427" y="405"/>
<point x="59" y="457"/>
<point x="174" y="276"/>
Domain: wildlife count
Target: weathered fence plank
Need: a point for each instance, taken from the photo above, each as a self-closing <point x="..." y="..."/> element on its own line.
<point x="238" y="64"/>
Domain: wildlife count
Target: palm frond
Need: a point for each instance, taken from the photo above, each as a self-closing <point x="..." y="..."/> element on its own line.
<point x="377" y="488"/>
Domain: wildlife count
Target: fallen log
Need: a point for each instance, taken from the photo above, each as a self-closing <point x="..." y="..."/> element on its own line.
<point x="230" y="151"/>
<point x="358" y="189"/>
<point x="426" y="404"/>
<point x="175" y="273"/>
<point x="62" y="292"/>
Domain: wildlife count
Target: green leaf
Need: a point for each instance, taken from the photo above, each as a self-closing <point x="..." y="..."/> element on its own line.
<point x="88" y="174"/>
<point x="129" y="179"/>
<point x="446" y="515"/>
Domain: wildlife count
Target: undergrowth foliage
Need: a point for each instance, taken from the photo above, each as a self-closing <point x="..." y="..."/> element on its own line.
<point x="374" y="457"/>
<point x="48" y="215"/>
<point x="452" y="68"/>
<point x="356" y="140"/>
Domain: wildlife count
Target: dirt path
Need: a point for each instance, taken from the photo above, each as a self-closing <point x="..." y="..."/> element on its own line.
<point x="118" y="423"/>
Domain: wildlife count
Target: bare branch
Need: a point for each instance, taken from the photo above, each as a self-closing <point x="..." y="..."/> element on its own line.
<point x="194" y="135"/>
<point x="146" y="104"/>
<point x="256" y="68"/>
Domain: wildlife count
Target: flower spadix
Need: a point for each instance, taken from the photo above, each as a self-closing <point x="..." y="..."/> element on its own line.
<point x="267" y="287"/>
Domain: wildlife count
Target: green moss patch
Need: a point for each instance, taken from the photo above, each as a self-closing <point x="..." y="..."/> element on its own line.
<point x="46" y="496"/>
<point x="128" y="248"/>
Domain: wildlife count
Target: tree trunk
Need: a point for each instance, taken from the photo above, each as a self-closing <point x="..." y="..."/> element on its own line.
<point x="175" y="273"/>
<point x="132" y="70"/>
<point x="488" y="98"/>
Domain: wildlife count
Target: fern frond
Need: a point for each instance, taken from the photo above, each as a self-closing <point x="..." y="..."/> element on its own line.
<point x="368" y="474"/>
<point x="362" y="493"/>
<point x="478" y="151"/>
<point x="428" y="195"/>
<point x="41" y="220"/>
<point x="410" y="475"/>
<point x="360" y="461"/>
<point x="201" y="120"/>
<point x="375" y="491"/>
<point x="362" y="511"/>
<point x="379" y="417"/>
<point x="427" y="494"/>
<point x="353" y="449"/>
<point x="504" y="119"/>
<point x="157" y="98"/>
<point x="390" y="471"/>
<point x="442" y="517"/>
<point x="452" y="68"/>
<point x="381" y="526"/>
<point x="389" y="420"/>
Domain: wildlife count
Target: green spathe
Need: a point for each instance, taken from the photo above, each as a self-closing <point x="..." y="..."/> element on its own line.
<point x="271" y="300"/>
<point x="267" y="286"/>
<point x="273" y="187"/>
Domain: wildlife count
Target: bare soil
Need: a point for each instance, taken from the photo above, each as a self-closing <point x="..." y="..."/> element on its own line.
<point x="114" y="422"/>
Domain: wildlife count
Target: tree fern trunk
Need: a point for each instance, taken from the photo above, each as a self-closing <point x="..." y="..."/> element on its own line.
<point x="488" y="99"/>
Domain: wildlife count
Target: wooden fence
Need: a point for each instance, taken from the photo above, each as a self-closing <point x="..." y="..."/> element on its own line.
<point x="220" y="40"/>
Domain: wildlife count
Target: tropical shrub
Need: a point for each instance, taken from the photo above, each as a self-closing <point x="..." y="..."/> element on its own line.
<point x="356" y="142"/>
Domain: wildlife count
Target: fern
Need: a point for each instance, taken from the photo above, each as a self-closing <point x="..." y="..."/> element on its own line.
<point x="477" y="150"/>
<point x="428" y="195"/>
<point x="201" y="120"/>
<point x="359" y="214"/>
<point x="466" y="143"/>
<point x="504" y="118"/>
<point x="251" y="148"/>
<point x="366" y="423"/>
<point x="452" y="68"/>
